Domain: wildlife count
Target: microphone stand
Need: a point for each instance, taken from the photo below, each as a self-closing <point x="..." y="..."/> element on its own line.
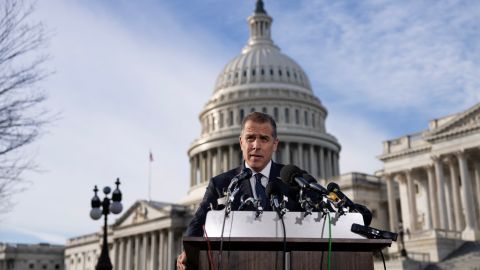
<point x="228" y="208"/>
<point x="305" y="202"/>
<point x="281" y="209"/>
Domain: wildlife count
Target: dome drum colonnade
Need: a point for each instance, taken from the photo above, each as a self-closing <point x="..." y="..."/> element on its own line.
<point x="263" y="79"/>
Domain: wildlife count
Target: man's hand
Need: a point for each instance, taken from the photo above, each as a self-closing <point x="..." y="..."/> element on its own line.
<point x="181" y="260"/>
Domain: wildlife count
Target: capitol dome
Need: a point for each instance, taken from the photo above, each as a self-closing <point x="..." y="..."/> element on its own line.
<point x="262" y="64"/>
<point x="263" y="79"/>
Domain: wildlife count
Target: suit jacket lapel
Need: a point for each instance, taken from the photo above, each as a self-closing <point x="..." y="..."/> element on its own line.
<point x="274" y="171"/>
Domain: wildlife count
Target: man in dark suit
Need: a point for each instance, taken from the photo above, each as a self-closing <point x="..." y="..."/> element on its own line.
<point x="258" y="142"/>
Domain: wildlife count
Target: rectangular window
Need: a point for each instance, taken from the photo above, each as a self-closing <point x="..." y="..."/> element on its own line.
<point x="287" y="115"/>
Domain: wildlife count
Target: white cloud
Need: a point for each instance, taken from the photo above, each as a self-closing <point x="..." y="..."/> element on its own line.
<point x="389" y="55"/>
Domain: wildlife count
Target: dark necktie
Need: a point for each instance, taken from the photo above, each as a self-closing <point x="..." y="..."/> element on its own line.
<point x="260" y="190"/>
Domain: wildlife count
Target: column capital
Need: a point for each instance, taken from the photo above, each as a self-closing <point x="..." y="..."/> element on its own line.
<point x="429" y="166"/>
<point x="460" y="153"/>
<point x="450" y="160"/>
<point x="399" y="177"/>
<point x="435" y="157"/>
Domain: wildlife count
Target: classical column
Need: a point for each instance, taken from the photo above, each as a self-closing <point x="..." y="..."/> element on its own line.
<point x="136" y="260"/>
<point x="433" y="203"/>
<point x="329" y="164"/>
<point x="322" y="163"/>
<point x="440" y="192"/>
<point x="392" y="206"/>
<point x="313" y="169"/>
<point x="197" y="170"/>
<point x="300" y="156"/>
<point x="412" y="206"/>
<point x="449" y="203"/>
<point x="404" y="201"/>
<point x="477" y="179"/>
<point x="470" y="232"/>
<point x="209" y="164"/>
<point x="203" y="176"/>
<point x="128" y="257"/>
<point x="121" y="254"/>
<point x="170" y="259"/>
<point x="162" y="250"/>
<point x="428" y="214"/>
<point x="153" y="251"/>
<point x="287" y="154"/>
<point x="230" y="157"/>
<point x="455" y="190"/>
<point x="220" y="163"/>
<point x="192" y="171"/>
<point x="118" y="243"/>
<point x="144" y="251"/>
<point x="336" y="162"/>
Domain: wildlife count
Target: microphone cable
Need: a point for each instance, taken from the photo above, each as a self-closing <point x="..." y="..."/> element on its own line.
<point x="284" y="242"/>
<point x="383" y="260"/>
<point x="329" y="241"/>
<point x="209" y="250"/>
<point x="221" y="240"/>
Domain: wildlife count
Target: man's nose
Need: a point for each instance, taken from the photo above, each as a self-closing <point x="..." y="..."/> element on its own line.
<point x="256" y="144"/>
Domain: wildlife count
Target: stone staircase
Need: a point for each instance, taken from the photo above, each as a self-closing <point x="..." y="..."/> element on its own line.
<point x="466" y="257"/>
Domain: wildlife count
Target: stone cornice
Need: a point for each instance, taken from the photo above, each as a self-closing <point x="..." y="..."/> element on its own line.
<point x="406" y="152"/>
<point x="454" y="133"/>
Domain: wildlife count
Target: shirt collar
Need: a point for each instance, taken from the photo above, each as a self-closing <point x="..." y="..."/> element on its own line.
<point x="265" y="171"/>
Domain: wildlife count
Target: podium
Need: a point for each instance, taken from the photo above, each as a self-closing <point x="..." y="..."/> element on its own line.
<point x="256" y="242"/>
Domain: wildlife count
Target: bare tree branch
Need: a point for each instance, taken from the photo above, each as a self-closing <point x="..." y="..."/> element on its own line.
<point x="21" y="114"/>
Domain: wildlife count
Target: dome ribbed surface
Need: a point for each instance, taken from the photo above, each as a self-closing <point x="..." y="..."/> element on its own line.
<point x="262" y="64"/>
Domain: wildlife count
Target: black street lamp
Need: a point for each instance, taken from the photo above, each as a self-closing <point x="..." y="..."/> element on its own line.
<point x="96" y="213"/>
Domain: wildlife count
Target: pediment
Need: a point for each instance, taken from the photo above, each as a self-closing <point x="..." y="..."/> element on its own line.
<point x="457" y="124"/>
<point x="142" y="212"/>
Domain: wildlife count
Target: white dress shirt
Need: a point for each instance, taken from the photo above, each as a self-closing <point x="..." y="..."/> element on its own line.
<point x="266" y="175"/>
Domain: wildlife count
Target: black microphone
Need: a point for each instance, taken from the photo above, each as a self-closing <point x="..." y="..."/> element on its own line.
<point x="314" y="185"/>
<point x="245" y="174"/>
<point x="292" y="175"/>
<point x="277" y="190"/>
<point x="336" y="194"/>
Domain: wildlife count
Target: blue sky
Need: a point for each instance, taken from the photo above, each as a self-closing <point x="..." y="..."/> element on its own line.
<point x="133" y="75"/>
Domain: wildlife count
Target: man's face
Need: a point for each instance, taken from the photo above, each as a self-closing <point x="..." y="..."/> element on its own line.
<point x="257" y="144"/>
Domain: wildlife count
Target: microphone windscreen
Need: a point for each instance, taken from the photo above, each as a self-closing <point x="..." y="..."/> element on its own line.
<point x="276" y="187"/>
<point x="288" y="173"/>
<point x="332" y="186"/>
<point x="246" y="173"/>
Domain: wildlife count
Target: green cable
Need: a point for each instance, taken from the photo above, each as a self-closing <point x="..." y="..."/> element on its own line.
<point x="329" y="241"/>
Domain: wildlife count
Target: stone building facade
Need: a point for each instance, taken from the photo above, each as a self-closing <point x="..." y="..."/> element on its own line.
<point x="147" y="236"/>
<point x="433" y="184"/>
<point x="31" y="256"/>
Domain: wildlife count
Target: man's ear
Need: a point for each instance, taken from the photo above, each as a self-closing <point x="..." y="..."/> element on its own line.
<point x="275" y="144"/>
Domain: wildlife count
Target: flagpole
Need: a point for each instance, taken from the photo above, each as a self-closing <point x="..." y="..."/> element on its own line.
<point x="150" y="159"/>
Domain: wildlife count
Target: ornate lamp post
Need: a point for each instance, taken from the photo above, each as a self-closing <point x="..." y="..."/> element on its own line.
<point x="108" y="205"/>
